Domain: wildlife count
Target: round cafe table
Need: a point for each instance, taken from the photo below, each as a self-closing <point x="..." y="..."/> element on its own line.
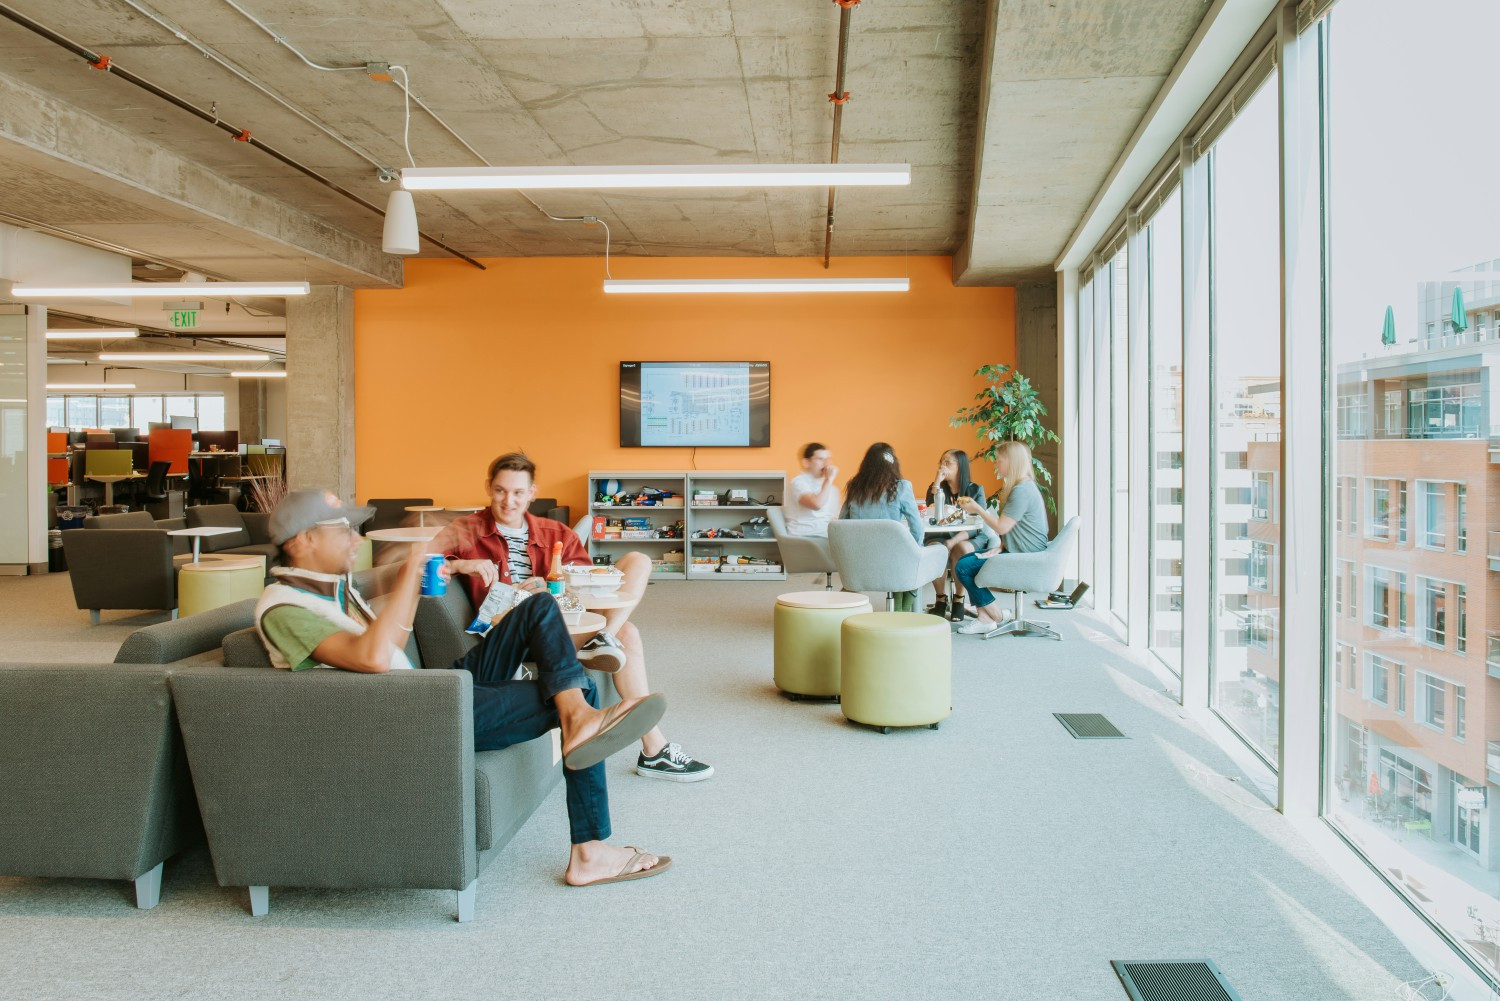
<point x="412" y="533"/>
<point x="422" y="510"/>
<point x="462" y="510"/>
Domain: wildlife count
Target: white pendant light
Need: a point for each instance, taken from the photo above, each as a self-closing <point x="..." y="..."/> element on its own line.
<point x="400" y="235"/>
<point x="92" y="333"/>
<point x="159" y="290"/>
<point x="749" y="175"/>
<point x="689" y="285"/>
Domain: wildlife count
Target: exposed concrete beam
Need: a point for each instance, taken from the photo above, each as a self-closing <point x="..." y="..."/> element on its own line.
<point x="86" y="175"/>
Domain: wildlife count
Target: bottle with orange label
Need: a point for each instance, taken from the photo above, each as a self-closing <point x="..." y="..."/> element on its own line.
<point x="557" y="581"/>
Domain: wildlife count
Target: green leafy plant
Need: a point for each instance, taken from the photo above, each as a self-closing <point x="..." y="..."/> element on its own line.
<point x="1009" y="409"/>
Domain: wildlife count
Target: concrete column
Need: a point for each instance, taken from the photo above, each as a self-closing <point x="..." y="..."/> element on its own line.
<point x="252" y="410"/>
<point x="320" y="390"/>
<point x="1037" y="348"/>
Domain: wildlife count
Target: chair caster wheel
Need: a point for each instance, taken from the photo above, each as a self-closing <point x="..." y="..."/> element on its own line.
<point x="885" y="729"/>
<point x="932" y="726"/>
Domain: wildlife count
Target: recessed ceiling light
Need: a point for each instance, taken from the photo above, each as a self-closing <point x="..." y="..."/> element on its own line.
<point x="750" y="175"/>
<point x="158" y="290"/>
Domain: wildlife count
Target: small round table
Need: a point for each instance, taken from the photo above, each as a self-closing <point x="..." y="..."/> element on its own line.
<point x="422" y="510"/>
<point x="412" y="533"/>
<point x="460" y="510"/>
<point x="215" y="583"/>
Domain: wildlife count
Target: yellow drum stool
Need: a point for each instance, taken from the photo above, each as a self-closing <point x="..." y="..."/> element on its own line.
<point x="806" y="627"/>
<point x="215" y="583"/>
<point x="897" y="670"/>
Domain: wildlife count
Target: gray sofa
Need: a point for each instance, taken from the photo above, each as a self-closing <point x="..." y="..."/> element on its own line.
<point x="252" y="535"/>
<point x="336" y="780"/>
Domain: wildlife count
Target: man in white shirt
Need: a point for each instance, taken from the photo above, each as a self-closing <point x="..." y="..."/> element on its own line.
<point x="812" y="499"/>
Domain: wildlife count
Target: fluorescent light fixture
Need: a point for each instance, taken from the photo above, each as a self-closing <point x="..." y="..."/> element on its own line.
<point x="92" y="333"/>
<point x="747" y="175"/>
<point x="158" y="290"/>
<point x="259" y="374"/>
<point x="759" y="285"/>
<point x="182" y="356"/>
<point x="90" y="385"/>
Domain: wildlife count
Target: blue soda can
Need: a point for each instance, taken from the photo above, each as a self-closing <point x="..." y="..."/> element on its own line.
<point x="433" y="581"/>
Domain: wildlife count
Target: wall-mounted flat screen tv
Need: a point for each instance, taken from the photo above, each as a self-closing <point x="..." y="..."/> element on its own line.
<point x="695" y="404"/>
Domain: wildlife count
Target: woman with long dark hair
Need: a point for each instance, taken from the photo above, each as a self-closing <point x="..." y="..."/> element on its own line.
<point x="954" y="483"/>
<point x="877" y="492"/>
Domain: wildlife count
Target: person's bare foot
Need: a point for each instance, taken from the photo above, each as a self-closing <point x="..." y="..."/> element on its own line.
<point x="581" y="724"/>
<point x="596" y="860"/>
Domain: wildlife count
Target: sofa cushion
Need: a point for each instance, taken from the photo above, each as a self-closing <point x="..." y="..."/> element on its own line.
<point x="180" y="639"/>
<point x="508" y="785"/>
<point x="130" y="519"/>
<point x="243" y="648"/>
<point x="439" y="626"/>
<point x="219" y="516"/>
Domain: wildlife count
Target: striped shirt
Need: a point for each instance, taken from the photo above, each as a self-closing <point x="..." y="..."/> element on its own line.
<point x="516" y="556"/>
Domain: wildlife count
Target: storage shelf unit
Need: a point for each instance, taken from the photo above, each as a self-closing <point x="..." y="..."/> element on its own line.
<point x="761" y="484"/>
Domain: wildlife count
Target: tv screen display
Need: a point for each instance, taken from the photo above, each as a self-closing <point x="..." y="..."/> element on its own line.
<point x="710" y="404"/>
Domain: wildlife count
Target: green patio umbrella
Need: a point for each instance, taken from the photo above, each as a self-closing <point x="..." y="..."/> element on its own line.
<point x="1460" y="318"/>
<point x="1388" y="332"/>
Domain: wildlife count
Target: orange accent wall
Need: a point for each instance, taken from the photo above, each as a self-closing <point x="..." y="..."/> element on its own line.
<point x="462" y="364"/>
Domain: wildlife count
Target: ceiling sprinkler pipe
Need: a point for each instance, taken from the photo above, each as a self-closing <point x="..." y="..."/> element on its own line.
<point x="839" y="98"/>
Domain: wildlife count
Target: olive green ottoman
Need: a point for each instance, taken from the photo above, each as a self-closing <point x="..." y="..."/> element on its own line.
<point x="897" y="669"/>
<point x="806" y="628"/>
<point x="218" y="582"/>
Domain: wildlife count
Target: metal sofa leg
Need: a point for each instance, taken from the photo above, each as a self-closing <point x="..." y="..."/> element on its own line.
<point x="94" y="616"/>
<point x="260" y="901"/>
<point x="148" y="888"/>
<point x="466" y="902"/>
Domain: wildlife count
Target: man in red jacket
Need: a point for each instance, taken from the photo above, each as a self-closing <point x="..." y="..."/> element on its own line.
<point x="506" y="542"/>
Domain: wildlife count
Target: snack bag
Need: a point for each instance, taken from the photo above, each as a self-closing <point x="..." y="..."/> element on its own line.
<point x="497" y="604"/>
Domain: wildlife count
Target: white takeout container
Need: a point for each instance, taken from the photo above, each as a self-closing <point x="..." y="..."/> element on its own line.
<point x="583" y="579"/>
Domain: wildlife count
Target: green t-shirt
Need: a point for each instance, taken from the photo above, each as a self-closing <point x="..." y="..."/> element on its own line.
<point x="296" y="632"/>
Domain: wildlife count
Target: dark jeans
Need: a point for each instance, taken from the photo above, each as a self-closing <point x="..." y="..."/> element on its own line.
<point x="511" y="712"/>
<point x="966" y="570"/>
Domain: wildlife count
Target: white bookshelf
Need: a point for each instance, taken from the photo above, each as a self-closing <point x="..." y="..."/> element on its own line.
<point x="760" y="484"/>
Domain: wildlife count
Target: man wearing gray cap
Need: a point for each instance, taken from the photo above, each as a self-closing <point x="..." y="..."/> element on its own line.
<point x="312" y="617"/>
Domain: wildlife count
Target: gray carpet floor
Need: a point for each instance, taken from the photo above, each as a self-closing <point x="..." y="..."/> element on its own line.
<point x="994" y="858"/>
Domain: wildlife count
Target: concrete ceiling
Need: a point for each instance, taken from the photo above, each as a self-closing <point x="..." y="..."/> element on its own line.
<point x="1011" y="114"/>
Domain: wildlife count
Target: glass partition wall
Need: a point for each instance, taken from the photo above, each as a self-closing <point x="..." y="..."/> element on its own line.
<point x="1375" y="100"/>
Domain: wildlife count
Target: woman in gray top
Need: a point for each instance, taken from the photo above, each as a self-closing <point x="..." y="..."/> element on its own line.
<point x="877" y="491"/>
<point x="1021" y="525"/>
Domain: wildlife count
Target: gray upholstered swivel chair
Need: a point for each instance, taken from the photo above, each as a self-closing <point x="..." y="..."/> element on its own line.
<point x="1035" y="572"/>
<point x="878" y="555"/>
<point x="801" y="553"/>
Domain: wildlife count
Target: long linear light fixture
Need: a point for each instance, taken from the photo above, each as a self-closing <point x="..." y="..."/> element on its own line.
<point x="748" y="175"/>
<point x="90" y="385"/>
<point x="618" y="286"/>
<point x="259" y="374"/>
<point x="158" y="290"/>
<point x="182" y="356"/>
<point x="92" y="333"/>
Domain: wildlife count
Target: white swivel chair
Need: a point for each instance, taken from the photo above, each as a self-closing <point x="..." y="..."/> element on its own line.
<point x="878" y="555"/>
<point x="1022" y="572"/>
<point x="801" y="553"/>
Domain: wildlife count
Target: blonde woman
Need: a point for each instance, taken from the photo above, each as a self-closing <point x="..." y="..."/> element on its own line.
<point x="1021" y="526"/>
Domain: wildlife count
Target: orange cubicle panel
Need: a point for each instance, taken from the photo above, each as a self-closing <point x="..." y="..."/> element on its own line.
<point x="57" y="469"/>
<point x="172" y="446"/>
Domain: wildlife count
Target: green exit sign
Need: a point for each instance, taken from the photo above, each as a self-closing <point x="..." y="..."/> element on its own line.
<point x="184" y="318"/>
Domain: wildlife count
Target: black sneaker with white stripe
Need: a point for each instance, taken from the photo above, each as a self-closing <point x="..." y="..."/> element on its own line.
<point x="673" y="764"/>
<point x="603" y="653"/>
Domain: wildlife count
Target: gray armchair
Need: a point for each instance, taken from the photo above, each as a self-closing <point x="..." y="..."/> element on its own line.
<point x="878" y="555"/>
<point x="96" y="784"/>
<point x="121" y="568"/>
<point x="801" y="553"/>
<point x="143" y="521"/>
<point x="1033" y="572"/>
<point x="251" y="538"/>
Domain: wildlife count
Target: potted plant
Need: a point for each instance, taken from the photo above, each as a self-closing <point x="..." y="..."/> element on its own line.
<point x="1009" y="409"/>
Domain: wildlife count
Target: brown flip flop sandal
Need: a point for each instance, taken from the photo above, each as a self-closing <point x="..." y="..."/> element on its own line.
<point x="663" y="862"/>
<point x="620" y="729"/>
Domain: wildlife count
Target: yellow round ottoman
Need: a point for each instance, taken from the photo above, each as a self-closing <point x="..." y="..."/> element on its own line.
<point x="806" y="628"/>
<point x="219" y="582"/>
<point x="897" y="669"/>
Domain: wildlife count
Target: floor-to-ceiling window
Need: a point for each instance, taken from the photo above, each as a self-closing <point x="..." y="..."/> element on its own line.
<point x="1413" y="249"/>
<point x="1164" y="316"/>
<point x="1245" y="352"/>
<point x="1119" y="434"/>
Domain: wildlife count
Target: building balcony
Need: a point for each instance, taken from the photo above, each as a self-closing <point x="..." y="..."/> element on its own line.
<point x="1492" y="761"/>
<point x="1492" y="655"/>
<point x="1494" y="550"/>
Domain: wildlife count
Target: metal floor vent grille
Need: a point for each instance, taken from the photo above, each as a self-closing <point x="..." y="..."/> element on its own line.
<point x="1088" y="726"/>
<point x="1188" y="981"/>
